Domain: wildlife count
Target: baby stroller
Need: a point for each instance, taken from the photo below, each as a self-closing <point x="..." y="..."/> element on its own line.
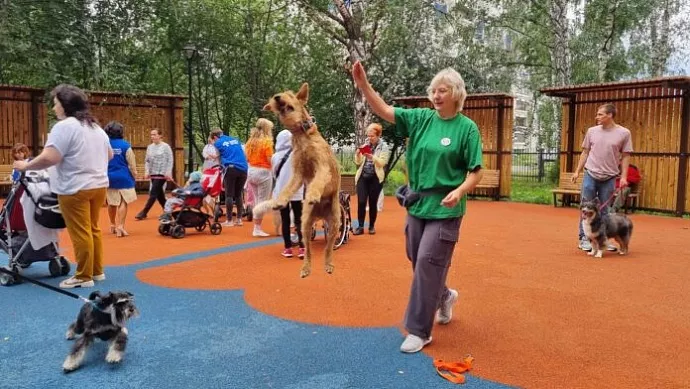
<point x="247" y="200"/>
<point x="345" y="222"/>
<point x="14" y="236"/>
<point x="189" y="214"/>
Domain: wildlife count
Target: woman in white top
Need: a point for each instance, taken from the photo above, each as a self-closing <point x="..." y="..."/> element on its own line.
<point x="80" y="150"/>
<point x="210" y="154"/>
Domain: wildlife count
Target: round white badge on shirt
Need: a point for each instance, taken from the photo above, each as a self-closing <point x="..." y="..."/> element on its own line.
<point x="445" y="141"/>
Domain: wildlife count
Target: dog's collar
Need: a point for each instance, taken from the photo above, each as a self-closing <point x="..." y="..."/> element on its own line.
<point x="307" y="124"/>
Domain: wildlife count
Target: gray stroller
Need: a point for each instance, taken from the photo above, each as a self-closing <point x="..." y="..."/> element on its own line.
<point x="14" y="237"/>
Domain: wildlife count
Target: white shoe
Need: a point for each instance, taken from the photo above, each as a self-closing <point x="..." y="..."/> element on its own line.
<point x="259" y="233"/>
<point x="228" y="223"/>
<point x="73" y="282"/>
<point x="99" y="277"/>
<point x="414" y="343"/>
<point x="445" y="313"/>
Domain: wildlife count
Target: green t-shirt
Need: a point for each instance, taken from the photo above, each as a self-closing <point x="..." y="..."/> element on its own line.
<point x="440" y="153"/>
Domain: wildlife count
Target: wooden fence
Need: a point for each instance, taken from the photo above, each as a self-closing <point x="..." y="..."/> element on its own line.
<point x="493" y="114"/>
<point x="657" y="113"/>
<point x="24" y="118"/>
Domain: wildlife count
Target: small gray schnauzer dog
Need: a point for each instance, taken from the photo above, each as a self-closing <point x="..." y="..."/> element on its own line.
<point x="103" y="317"/>
<point x="599" y="228"/>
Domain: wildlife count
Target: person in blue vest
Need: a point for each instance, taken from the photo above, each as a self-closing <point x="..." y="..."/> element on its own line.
<point x="235" y="164"/>
<point x="121" y="172"/>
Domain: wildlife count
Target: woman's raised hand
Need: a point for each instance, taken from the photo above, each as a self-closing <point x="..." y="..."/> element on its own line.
<point x="359" y="76"/>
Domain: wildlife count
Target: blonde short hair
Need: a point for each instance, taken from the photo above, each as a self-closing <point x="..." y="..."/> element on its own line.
<point x="454" y="81"/>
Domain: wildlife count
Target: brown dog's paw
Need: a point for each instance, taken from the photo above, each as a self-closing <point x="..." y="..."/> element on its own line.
<point x="330" y="268"/>
<point x="304" y="273"/>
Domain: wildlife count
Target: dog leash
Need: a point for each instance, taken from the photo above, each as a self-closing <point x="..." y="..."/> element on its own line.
<point x="610" y="198"/>
<point x="452" y="371"/>
<point x="39" y="283"/>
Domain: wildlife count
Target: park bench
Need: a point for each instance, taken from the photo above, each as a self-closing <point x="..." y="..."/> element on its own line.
<point x="489" y="183"/>
<point x="567" y="189"/>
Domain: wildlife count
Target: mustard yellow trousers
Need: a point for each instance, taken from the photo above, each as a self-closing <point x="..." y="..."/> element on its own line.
<point x="82" y="211"/>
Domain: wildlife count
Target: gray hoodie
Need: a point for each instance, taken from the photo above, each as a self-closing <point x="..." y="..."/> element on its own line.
<point x="283" y="145"/>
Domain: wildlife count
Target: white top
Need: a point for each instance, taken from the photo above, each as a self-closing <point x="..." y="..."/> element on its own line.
<point x="283" y="145"/>
<point x="84" y="151"/>
<point x="210" y="154"/>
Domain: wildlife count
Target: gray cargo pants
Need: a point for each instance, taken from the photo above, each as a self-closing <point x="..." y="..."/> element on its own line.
<point x="429" y="245"/>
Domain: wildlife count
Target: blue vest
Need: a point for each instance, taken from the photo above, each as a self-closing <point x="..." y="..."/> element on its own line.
<point x="231" y="153"/>
<point x="118" y="171"/>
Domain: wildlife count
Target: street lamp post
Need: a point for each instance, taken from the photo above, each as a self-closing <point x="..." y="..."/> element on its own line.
<point x="189" y="52"/>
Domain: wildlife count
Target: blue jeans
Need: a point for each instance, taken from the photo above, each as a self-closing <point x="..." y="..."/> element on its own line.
<point x="592" y="188"/>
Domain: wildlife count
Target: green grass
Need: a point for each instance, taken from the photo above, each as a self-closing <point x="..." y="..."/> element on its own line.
<point x="534" y="192"/>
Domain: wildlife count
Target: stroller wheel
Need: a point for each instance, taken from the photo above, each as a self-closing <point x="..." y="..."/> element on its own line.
<point x="216" y="228"/>
<point x="54" y="268"/>
<point x="64" y="265"/>
<point x="200" y="227"/>
<point x="177" y="232"/>
<point x="164" y="229"/>
<point x="6" y="279"/>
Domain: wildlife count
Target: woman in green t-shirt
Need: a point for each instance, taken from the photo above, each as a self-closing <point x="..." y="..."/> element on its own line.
<point x="444" y="159"/>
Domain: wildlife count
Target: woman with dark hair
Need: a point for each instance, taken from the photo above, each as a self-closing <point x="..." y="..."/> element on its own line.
<point x="80" y="150"/>
<point x="121" y="172"/>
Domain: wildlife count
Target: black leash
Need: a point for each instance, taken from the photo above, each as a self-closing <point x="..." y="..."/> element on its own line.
<point x="39" y="283"/>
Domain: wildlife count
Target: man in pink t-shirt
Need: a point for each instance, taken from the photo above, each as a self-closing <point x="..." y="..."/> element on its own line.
<point x="606" y="147"/>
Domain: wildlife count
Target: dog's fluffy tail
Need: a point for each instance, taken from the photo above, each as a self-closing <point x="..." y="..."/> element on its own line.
<point x="262" y="208"/>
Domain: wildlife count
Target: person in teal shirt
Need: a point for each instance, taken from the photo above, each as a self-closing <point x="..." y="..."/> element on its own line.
<point x="444" y="161"/>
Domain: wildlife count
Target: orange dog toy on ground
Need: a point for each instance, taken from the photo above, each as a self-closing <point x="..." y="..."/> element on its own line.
<point x="452" y="371"/>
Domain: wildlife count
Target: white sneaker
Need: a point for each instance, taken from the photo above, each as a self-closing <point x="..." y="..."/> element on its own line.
<point x="73" y="282"/>
<point x="259" y="233"/>
<point x="228" y="223"/>
<point x="99" y="277"/>
<point x="445" y="313"/>
<point x="414" y="343"/>
<point x="585" y="245"/>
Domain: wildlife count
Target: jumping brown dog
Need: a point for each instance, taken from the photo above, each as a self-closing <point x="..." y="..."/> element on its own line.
<point x="315" y="165"/>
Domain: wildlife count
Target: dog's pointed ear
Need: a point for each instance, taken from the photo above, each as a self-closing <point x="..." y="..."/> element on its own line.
<point x="303" y="93"/>
<point x="596" y="201"/>
<point x="94" y="295"/>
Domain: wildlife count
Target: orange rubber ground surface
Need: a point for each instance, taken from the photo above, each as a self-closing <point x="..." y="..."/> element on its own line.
<point x="534" y="311"/>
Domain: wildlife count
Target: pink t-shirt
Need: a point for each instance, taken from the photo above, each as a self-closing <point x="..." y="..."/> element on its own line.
<point x="605" y="150"/>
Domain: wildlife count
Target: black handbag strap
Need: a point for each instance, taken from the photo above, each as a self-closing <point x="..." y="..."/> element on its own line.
<point x="282" y="162"/>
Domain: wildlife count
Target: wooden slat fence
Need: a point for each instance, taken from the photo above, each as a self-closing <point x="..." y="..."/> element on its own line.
<point x="657" y="113"/>
<point x="493" y="114"/>
<point x="25" y="117"/>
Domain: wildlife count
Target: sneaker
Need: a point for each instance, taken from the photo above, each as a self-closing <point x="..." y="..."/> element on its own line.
<point x="73" y="282"/>
<point x="611" y="247"/>
<point x="140" y="216"/>
<point x="287" y="253"/>
<point x="358" y="231"/>
<point x="414" y="343"/>
<point x="445" y="313"/>
<point x="238" y="223"/>
<point x="228" y="223"/>
<point x="585" y="245"/>
<point x="99" y="277"/>
<point x="372" y="230"/>
<point x="301" y="251"/>
<point x="259" y="233"/>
